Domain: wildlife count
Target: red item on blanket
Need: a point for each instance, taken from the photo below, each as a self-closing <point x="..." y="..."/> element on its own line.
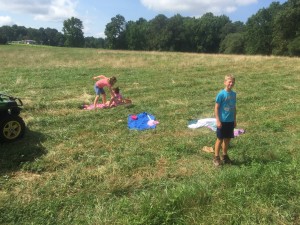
<point x="134" y="117"/>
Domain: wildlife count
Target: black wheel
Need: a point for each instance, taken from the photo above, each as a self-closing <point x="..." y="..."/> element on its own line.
<point x="11" y="128"/>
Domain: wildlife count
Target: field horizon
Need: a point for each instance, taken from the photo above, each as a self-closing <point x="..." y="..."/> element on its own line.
<point x="75" y="166"/>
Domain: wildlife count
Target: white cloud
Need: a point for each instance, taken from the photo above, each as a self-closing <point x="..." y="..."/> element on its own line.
<point x="196" y="7"/>
<point x="58" y="10"/>
<point x="5" y="20"/>
<point x="46" y="10"/>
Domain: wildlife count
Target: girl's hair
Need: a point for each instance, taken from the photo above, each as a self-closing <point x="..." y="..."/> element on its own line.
<point x="116" y="90"/>
<point x="112" y="80"/>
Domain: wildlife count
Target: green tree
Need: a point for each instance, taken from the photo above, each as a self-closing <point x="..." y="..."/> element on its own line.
<point x="19" y="33"/>
<point x="136" y="34"/>
<point x="73" y="33"/>
<point x="233" y="44"/>
<point x="92" y="42"/>
<point x="53" y="38"/>
<point x="32" y="34"/>
<point x="43" y="38"/>
<point x="230" y="28"/>
<point x="190" y="26"/>
<point x="6" y="34"/>
<point x="294" y="47"/>
<point x="287" y="29"/>
<point x="158" y="36"/>
<point x="259" y="30"/>
<point x="115" y="33"/>
<point x="208" y="32"/>
<point x="3" y="39"/>
<point x="176" y="33"/>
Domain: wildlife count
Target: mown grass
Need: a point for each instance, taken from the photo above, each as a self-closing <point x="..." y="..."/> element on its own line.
<point x="86" y="167"/>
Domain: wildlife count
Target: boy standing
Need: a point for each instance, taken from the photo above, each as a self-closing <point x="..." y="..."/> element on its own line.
<point x="225" y="112"/>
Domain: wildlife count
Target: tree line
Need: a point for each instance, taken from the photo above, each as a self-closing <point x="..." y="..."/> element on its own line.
<point x="271" y="31"/>
<point x="71" y="35"/>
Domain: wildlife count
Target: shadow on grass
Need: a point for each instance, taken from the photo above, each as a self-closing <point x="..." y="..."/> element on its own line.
<point x="262" y="159"/>
<point x="28" y="149"/>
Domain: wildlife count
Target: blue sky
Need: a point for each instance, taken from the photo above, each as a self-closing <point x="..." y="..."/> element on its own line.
<point x="95" y="14"/>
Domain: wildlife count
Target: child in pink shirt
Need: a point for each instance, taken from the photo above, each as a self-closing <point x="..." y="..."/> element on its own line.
<point x="118" y="98"/>
<point x="103" y="81"/>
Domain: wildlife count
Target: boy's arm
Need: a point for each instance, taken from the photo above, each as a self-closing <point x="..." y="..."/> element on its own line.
<point x="217" y="107"/>
<point x="235" y="117"/>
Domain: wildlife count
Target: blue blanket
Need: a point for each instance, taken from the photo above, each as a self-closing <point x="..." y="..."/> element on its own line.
<point x="141" y="121"/>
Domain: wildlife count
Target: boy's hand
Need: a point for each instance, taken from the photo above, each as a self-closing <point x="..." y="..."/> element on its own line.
<point x="219" y="124"/>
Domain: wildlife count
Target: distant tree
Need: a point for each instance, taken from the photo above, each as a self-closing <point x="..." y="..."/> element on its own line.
<point x="190" y="26"/>
<point x="176" y="33"/>
<point x="53" y="38"/>
<point x="73" y="33"/>
<point x="19" y="33"/>
<point x="3" y="39"/>
<point x="32" y="34"/>
<point x="7" y="33"/>
<point x="230" y="28"/>
<point x="115" y="32"/>
<point x="42" y="36"/>
<point x="259" y="30"/>
<point x="208" y="32"/>
<point x="60" y="39"/>
<point x="294" y="47"/>
<point x="233" y="43"/>
<point x="287" y="29"/>
<point x="136" y="34"/>
<point x="3" y="35"/>
<point x="158" y="36"/>
<point x="91" y="42"/>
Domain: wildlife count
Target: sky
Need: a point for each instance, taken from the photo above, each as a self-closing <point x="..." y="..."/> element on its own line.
<point x="95" y="14"/>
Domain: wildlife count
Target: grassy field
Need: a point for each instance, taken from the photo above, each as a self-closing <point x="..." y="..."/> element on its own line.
<point x="86" y="167"/>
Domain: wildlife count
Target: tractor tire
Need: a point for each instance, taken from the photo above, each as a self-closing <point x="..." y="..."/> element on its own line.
<point x="12" y="127"/>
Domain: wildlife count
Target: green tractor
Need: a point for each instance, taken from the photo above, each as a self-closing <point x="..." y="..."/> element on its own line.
<point x="12" y="126"/>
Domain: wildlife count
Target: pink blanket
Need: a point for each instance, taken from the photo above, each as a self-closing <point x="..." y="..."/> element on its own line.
<point x="103" y="106"/>
<point x="98" y="106"/>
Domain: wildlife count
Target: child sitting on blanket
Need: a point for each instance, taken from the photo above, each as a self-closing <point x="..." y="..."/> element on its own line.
<point x="118" y="99"/>
<point x="115" y="101"/>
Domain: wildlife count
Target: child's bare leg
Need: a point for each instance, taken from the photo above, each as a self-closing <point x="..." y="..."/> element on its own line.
<point x="103" y="98"/>
<point x="96" y="100"/>
<point x="218" y="146"/>
<point x="109" y="103"/>
<point x="225" y="145"/>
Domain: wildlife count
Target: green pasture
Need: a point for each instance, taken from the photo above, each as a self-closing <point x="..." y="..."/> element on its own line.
<point x="86" y="167"/>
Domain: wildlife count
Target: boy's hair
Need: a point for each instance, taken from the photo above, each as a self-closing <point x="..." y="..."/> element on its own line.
<point x="229" y="77"/>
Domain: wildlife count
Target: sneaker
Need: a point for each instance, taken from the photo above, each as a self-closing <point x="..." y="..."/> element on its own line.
<point x="226" y="159"/>
<point x="217" y="161"/>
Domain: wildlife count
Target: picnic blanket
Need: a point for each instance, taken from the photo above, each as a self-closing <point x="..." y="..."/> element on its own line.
<point x="211" y="123"/>
<point x="98" y="106"/>
<point x="103" y="106"/>
<point x="141" y="121"/>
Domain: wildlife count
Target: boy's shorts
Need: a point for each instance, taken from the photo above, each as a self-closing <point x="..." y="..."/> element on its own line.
<point x="226" y="131"/>
<point x="99" y="90"/>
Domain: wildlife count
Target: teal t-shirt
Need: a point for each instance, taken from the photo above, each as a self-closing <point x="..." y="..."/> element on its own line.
<point x="227" y="102"/>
